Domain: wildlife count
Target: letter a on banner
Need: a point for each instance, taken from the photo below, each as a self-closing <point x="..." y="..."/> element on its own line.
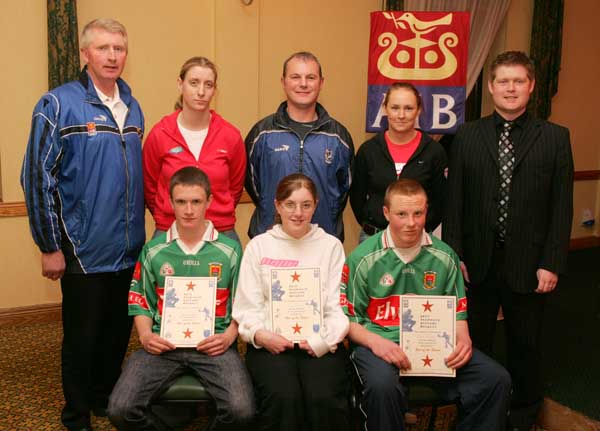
<point x="427" y="49"/>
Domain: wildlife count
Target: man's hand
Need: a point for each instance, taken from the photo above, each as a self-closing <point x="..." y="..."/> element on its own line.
<point x="154" y="344"/>
<point x="305" y="346"/>
<point x="465" y="272"/>
<point x="464" y="348"/>
<point x="546" y="281"/>
<point x="271" y="341"/>
<point x="389" y="351"/>
<point x="53" y="265"/>
<point x="215" y="344"/>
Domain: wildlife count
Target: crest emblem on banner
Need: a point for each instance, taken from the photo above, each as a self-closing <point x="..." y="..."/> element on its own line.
<point x="427" y="49"/>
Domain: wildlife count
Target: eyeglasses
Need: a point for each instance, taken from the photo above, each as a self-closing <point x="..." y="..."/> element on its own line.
<point x="290" y="206"/>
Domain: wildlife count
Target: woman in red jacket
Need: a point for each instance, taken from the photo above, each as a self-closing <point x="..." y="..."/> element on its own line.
<point x="195" y="135"/>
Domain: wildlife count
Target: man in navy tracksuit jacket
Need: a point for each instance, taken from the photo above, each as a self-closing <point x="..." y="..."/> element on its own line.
<point x="300" y="137"/>
<point x="82" y="179"/>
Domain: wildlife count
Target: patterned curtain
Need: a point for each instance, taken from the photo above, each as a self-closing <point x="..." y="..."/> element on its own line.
<point x="63" y="42"/>
<point x="394" y="5"/>
<point x="546" y="45"/>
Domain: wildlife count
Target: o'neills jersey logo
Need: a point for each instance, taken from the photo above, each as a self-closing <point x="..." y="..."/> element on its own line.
<point x="429" y="280"/>
<point x="384" y="311"/>
<point x="166" y="269"/>
<point x="215" y="269"/>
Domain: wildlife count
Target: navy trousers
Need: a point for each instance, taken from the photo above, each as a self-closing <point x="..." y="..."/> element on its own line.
<point x="481" y="390"/>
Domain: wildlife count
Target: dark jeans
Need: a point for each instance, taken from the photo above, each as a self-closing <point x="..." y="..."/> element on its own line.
<point x="146" y="376"/>
<point x="295" y="391"/>
<point x="481" y="389"/>
<point x="96" y="330"/>
<point x="523" y="319"/>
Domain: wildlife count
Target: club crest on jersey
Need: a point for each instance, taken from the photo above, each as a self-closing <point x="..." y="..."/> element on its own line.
<point x="386" y="280"/>
<point x="429" y="280"/>
<point x="91" y="129"/>
<point x="215" y="270"/>
<point x="328" y="156"/>
<point x="166" y="269"/>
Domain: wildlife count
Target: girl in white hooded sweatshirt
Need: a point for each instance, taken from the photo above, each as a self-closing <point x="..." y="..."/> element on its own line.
<point x="302" y="385"/>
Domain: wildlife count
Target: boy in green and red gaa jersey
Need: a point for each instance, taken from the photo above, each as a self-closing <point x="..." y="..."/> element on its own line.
<point x="192" y="247"/>
<point x="403" y="259"/>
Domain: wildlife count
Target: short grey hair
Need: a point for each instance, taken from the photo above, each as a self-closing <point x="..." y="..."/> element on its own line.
<point x="107" y="24"/>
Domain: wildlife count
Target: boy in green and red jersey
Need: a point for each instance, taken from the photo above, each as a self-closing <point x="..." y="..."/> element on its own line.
<point x="192" y="247"/>
<point x="403" y="259"/>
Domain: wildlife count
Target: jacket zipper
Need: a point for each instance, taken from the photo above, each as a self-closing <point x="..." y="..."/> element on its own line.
<point x="124" y="150"/>
<point x="301" y="155"/>
<point x="123" y="147"/>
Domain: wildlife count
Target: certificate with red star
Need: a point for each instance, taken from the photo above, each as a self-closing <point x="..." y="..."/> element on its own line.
<point x="188" y="311"/>
<point x="428" y="333"/>
<point x="295" y="302"/>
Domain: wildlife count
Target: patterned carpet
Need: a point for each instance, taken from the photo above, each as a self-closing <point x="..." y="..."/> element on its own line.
<point x="30" y="385"/>
<point x="31" y="396"/>
<point x="31" y="389"/>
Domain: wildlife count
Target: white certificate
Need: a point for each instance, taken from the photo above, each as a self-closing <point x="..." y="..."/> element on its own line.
<point x="428" y="334"/>
<point x="295" y="298"/>
<point x="188" y="314"/>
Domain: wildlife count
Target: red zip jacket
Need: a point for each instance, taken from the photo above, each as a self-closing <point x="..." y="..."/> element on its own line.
<point x="222" y="158"/>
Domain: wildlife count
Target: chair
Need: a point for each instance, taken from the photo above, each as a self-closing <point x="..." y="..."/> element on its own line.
<point x="188" y="389"/>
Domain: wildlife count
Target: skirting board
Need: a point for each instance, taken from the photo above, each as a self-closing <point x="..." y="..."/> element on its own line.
<point x="42" y="313"/>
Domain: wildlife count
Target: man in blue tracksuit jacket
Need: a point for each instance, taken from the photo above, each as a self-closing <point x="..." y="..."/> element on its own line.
<point x="300" y="137"/>
<point x="82" y="179"/>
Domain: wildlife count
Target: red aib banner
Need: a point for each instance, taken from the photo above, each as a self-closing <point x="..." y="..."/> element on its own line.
<point x="428" y="49"/>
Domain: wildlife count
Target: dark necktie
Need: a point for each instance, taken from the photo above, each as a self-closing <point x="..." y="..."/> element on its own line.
<point x="506" y="160"/>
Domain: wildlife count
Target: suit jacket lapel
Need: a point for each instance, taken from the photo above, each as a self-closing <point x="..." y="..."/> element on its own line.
<point x="531" y="132"/>
<point x="489" y="138"/>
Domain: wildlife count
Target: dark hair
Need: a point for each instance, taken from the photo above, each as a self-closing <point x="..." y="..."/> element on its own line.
<point x="513" y="58"/>
<point x="289" y="185"/>
<point x="190" y="176"/>
<point x="406" y="86"/>
<point x="404" y="187"/>
<point x="192" y="62"/>
<point x="304" y="56"/>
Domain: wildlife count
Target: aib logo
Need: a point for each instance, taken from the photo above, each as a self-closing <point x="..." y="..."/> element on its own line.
<point x="415" y="56"/>
<point x="427" y="49"/>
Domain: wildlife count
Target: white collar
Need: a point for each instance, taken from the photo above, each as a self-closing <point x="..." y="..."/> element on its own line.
<point x="408" y="254"/>
<point x="105" y="99"/>
<point x="210" y="234"/>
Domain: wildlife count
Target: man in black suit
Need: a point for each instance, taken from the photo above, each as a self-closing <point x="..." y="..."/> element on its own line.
<point x="508" y="216"/>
